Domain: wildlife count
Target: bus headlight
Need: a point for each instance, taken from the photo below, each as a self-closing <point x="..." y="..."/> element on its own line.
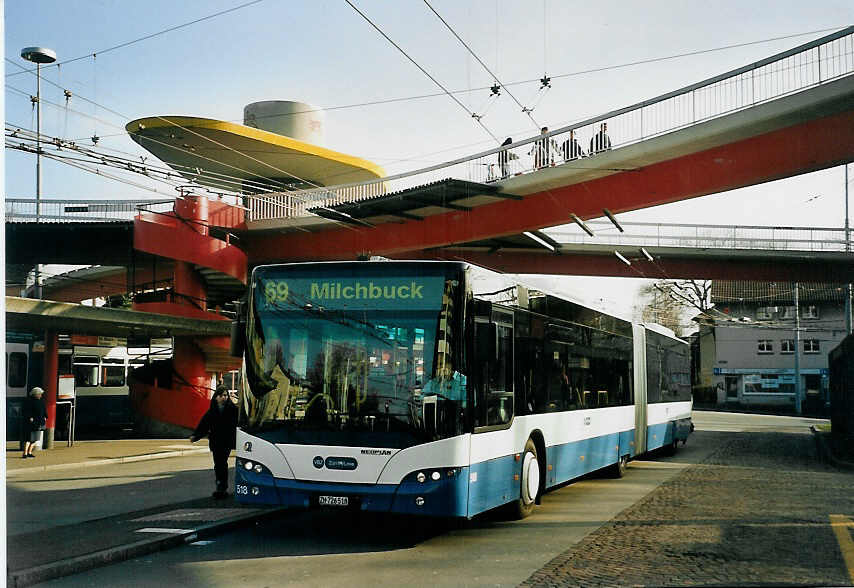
<point x="435" y="476"/>
<point x="258" y="468"/>
<point x="421" y="477"/>
<point x="248" y="465"/>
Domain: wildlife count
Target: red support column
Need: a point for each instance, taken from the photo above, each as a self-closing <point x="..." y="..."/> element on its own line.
<point x="51" y="379"/>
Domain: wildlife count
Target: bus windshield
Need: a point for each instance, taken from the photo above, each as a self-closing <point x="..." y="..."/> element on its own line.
<point x="351" y="358"/>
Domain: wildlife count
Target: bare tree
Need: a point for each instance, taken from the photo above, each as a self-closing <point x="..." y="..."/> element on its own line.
<point x="669" y="301"/>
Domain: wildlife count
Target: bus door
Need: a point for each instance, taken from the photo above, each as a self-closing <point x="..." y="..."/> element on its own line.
<point x="494" y="368"/>
<point x="639" y="338"/>
<point x="489" y="484"/>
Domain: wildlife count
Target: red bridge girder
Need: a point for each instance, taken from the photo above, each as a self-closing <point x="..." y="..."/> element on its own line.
<point x="789" y="268"/>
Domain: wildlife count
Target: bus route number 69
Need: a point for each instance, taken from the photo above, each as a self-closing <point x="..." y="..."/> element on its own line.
<point x="275" y="291"/>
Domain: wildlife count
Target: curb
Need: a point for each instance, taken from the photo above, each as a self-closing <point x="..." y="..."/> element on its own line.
<point x="99" y="462"/>
<point x="827" y="453"/>
<point x="119" y="553"/>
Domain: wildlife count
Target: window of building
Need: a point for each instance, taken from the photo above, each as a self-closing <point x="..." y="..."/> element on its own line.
<point x="811" y="346"/>
<point x="765" y="312"/>
<point x="787" y="346"/>
<point x="765" y="346"/>
<point x="788" y="312"/>
<point x="810" y="312"/>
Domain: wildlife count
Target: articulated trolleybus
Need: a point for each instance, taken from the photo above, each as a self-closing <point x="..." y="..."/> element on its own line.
<point x="387" y="386"/>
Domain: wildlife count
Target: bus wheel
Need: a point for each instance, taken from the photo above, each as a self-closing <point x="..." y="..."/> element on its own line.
<point x="530" y="481"/>
<point x="618" y="470"/>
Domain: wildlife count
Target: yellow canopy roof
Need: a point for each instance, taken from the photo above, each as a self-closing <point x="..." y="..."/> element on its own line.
<point x="213" y="152"/>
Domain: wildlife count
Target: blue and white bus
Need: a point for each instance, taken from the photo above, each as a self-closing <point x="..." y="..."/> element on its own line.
<point x="388" y="386"/>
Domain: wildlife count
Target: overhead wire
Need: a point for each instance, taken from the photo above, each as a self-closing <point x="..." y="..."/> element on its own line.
<point x="146" y="37"/>
<point x="515" y="83"/>
<point x="285" y="187"/>
<point x="424" y="71"/>
<point x="480" y="61"/>
<point x="521" y="82"/>
<point x="94" y="154"/>
<point x="122" y="116"/>
<point x="282" y="187"/>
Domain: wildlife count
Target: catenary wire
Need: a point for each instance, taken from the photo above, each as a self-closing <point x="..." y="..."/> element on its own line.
<point x="581" y="72"/>
<point x="473" y="54"/>
<point x="146" y="37"/>
<point x="286" y="188"/>
<point x="424" y="71"/>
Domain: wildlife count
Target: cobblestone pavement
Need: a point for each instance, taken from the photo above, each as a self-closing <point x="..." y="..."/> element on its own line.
<point x="755" y="512"/>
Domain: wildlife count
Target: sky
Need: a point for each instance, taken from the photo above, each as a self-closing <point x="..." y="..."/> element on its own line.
<point x="325" y="54"/>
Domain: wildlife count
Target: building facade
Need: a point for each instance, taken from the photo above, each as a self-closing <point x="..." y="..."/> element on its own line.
<point x="754" y="348"/>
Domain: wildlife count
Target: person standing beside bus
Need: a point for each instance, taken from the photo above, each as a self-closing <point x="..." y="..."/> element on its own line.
<point x="219" y="423"/>
<point x="35" y="418"/>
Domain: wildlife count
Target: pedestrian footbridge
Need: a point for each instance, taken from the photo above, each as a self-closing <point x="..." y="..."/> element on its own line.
<point x="782" y="116"/>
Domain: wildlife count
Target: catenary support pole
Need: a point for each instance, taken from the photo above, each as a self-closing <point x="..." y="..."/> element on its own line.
<point x="798" y="406"/>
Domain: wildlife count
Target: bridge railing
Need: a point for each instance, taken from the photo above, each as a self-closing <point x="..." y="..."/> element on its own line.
<point x="816" y="239"/>
<point x="802" y="67"/>
<point x="50" y="210"/>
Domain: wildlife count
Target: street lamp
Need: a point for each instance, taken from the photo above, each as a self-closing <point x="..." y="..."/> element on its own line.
<point x="38" y="55"/>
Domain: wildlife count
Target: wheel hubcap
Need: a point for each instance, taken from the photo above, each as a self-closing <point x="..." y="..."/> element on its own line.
<point x="530" y="478"/>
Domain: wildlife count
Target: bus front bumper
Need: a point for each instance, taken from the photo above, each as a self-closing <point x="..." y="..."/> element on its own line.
<point x="446" y="496"/>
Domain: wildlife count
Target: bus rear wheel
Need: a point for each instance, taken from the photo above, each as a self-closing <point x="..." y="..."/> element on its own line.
<point x="530" y="478"/>
<point x="618" y="470"/>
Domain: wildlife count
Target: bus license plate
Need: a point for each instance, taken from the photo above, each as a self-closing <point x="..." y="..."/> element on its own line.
<point x="333" y="500"/>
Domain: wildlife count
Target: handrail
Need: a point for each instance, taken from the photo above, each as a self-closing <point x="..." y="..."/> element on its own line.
<point x="702" y="226"/>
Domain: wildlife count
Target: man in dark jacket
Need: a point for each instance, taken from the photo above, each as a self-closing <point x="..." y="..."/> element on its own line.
<point x="219" y="423"/>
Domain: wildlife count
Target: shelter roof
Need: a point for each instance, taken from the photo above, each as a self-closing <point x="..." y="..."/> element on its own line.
<point x="29" y="315"/>
<point x="417" y="202"/>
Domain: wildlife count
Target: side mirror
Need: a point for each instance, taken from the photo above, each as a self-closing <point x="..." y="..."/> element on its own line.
<point x="238" y="332"/>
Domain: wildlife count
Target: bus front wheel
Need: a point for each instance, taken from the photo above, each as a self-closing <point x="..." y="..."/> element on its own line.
<point x="530" y="479"/>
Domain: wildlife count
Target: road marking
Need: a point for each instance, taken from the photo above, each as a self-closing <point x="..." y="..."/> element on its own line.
<point x="841" y="526"/>
<point x="163" y="530"/>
